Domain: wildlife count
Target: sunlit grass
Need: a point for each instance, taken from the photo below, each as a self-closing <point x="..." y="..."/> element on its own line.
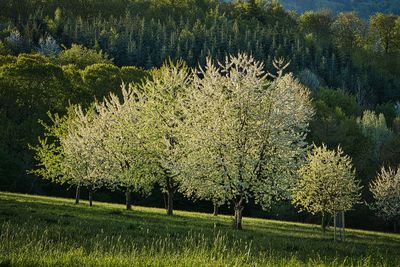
<point x="43" y="231"/>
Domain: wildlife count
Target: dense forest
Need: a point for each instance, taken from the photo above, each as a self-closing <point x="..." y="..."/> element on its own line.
<point x="56" y="53"/>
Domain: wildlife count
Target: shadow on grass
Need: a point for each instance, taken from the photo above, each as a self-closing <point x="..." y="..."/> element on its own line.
<point x="81" y="223"/>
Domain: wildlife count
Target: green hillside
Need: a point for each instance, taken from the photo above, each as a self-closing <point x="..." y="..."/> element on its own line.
<point x="43" y="231"/>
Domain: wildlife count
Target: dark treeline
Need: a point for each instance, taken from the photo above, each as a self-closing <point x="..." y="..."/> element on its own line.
<point x="351" y="65"/>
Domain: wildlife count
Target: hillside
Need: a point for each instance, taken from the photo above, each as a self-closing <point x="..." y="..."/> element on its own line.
<point x="365" y="8"/>
<point x="58" y="53"/>
<point x="43" y="231"/>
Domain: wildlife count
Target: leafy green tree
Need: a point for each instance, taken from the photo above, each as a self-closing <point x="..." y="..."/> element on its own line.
<point x="388" y="110"/>
<point x="383" y="26"/>
<point x="386" y="192"/>
<point x="30" y="86"/>
<point x="244" y="135"/>
<point x="390" y="152"/>
<point x="101" y="79"/>
<point x="348" y="31"/>
<point x="126" y="161"/>
<point x="49" y="153"/>
<point x="327" y="183"/>
<point x="339" y="99"/>
<point x="374" y="127"/>
<point x="162" y="111"/>
<point x="4" y="50"/>
<point x="82" y="56"/>
<point x="82" y="145"/>
<point x="131" y="74"/>
<point x="317" y="26"/>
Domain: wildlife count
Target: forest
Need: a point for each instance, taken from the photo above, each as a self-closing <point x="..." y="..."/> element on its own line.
<point x="57" y="54"/>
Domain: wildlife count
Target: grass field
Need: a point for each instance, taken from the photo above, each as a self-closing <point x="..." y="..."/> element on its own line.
<point x="43" y="231"/>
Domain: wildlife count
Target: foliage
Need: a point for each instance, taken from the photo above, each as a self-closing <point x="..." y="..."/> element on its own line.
<point x="386" y="29"/>
<point x="82" y="57"/>
<point x="327" y="182"/>
<point x="81" y="146"/>
<point x="386" y="192"/>
<point x="244" y="135"/>
<point x="101" y="79"/>
<point x="162" y="112"/>
<point x="30" y="87"/>
<point x="348" y="31"/>
<point x="316" y="25"/>
<point x="49" y="154"/>
<point x="339" y="99"/>
<point x="374" y="127"/>
<point x="125" y="158"/>
<point x="48" y="47"/>
<point x="389" y="112"/>
<point x="310" y="79"/>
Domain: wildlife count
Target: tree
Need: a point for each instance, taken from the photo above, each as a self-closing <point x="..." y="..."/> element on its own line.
<point x="82" y="150"/>
<point x="49" y="154"/>
<point x="317" y="26"/>
<point x="347" y="30"/>
<point x="386" y="192"/>
<point x="388" y="110"/>
<point x="128" y="163"/>
<point x="82" y="56"/>
<point x="70" y="151"/>
<point x="162" y="113"/>
<point x="30" y="86"/>
<point x="309" y="79"/>
<point x="383" y="26"/>
<point x="201" y="187"/>
<point x="244" y="136"/>
<point x="101" y="79"/>
<point x="374" y="127"/>
<point x="327" y="183"/>
<point x="48" y="47"/>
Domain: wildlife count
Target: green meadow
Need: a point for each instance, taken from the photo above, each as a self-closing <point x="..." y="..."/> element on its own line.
<point x="45" y="231"/>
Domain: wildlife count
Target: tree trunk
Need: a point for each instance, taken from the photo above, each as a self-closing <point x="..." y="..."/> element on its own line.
<point x="90" y="198"/>
<point x="128" y="199"/>
<point x="323" y="225"/>
<point x="238" y="214"/>
<point x="395" y="226"/>
<point x="215" y="213"/>
<point x="343" y="226"/>
<point x="170" y="202"/>
<point x="334" y="227"/>
<point x="77" y="194"/>
<point x="165" y="201"/>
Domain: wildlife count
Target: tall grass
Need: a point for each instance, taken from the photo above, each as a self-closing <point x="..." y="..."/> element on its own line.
<point x="52" y="232"/>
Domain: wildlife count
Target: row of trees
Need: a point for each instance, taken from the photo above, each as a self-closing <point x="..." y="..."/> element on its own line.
<point x="225" y="133"/>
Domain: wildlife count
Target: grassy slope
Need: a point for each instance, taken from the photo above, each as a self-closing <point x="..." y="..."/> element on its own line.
<point x="43" y="231"/>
